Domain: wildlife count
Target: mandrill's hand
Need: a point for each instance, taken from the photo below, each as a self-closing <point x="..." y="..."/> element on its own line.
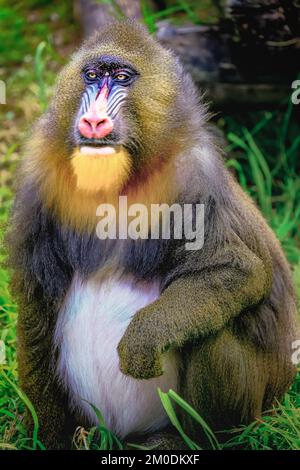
<point x="139" y="353"/>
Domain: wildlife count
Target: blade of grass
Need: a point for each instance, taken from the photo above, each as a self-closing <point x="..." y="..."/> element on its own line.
<point x="186" y="407"/>
<point x="174" y="420"/>
<point x="28" y="404"/>
<point x="261" y="161"/>
<point x="39" y="65"/>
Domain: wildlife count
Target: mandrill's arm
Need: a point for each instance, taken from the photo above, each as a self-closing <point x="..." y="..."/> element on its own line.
<point x="194" y="306"/>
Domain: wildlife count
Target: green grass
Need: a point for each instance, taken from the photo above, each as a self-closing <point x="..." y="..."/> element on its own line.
<point x="263" y="151"/>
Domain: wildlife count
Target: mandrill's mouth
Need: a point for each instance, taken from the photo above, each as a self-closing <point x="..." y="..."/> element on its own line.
<point x="106" y="146"/>
<point x="102" y="149"/>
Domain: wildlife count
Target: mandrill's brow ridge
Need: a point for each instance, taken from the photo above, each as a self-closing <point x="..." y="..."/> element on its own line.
<point x="110" y="61"/>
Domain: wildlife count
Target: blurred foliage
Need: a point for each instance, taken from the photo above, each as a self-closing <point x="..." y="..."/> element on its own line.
<point x="176" y="12"/>
<point x="24" y="24"/>
<point x="264" y="153"/>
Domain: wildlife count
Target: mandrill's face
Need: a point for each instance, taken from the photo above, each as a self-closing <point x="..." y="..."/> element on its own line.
<point x="119" y="108"/>
<point x="102" y="158"/>
<point x="98" y="125"/>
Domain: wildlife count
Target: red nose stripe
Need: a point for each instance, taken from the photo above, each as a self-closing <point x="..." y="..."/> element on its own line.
<point x="95" y="123"/>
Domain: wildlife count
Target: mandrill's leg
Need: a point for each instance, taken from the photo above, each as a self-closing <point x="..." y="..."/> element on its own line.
<point x="37" y="380"/>
<point x="230" y="382"/>
<point x="52" y="430"/>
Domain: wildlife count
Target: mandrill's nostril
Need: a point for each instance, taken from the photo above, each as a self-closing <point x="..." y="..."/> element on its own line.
<point x="94" y="126"/>
<point x="99" y="123"/>
<point x="86" y="122"/>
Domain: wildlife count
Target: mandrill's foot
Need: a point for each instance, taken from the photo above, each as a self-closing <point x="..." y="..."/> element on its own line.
<point x="157" y="441"/>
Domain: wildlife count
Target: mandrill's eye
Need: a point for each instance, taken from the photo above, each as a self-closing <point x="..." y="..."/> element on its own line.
<point x="122" y="77"/>
<point x="91" y="75"/>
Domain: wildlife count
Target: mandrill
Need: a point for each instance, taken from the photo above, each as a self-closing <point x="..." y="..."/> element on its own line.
<point x="106" y="321"/>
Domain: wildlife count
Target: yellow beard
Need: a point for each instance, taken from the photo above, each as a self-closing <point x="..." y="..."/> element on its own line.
<point x="103" y="172"/>
<point x="73" y="188"/>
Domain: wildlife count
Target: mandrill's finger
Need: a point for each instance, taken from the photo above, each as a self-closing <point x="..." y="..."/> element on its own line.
<point x="140" y="366"/>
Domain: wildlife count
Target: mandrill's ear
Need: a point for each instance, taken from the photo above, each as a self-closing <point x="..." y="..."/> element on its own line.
<point x="101" y="172"/>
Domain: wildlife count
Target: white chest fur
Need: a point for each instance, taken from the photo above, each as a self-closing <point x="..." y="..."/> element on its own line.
<point x="90" y="325"/>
